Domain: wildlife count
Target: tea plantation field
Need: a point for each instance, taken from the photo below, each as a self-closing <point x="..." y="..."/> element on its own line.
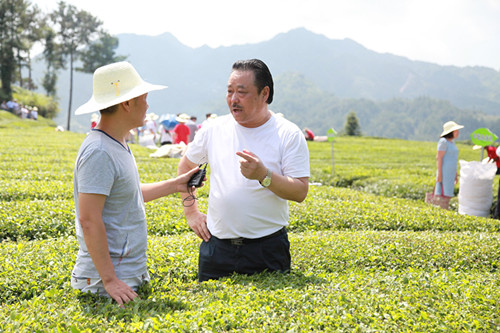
<point x="368" y="255"/>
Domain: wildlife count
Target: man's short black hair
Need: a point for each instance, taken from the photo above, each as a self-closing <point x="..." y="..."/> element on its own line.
<point x="109" y="110"/>
<point x="261" y="72"/>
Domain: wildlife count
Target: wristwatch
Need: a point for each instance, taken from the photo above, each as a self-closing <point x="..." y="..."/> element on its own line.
<point x="267" y="181"/>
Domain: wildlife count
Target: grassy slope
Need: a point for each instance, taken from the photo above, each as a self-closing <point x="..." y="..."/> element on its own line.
<point x="8" y="120"/>
<point x="360" y="261"/>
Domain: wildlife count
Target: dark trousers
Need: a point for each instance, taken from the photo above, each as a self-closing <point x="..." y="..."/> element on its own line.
<point x="223" y="257"/>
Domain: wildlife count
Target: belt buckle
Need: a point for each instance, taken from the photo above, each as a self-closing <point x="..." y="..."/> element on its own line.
<point x="237" y="241"/>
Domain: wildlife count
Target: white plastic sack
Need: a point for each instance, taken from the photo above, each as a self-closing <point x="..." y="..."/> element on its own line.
<point x="475" y="194"/>
<point x="148" y="140"/>
<point x="170" y="150"/>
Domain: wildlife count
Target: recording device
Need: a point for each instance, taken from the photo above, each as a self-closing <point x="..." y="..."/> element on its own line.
<point x="197" y="179"/>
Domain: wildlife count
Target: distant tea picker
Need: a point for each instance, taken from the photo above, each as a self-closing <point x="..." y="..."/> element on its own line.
<point x="309" y="135"/>
<point x="110" y="217"/>
<point x="447" y="163"/>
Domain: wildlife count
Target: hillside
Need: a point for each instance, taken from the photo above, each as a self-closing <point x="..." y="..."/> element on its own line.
<point x="341" y="68"/>
<point x="419" y="118"/>
<point x="8" y="120"/>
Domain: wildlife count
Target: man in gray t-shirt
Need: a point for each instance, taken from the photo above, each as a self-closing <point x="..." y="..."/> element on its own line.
<point x="110" y="218"/>
<point x="107" y="168"/>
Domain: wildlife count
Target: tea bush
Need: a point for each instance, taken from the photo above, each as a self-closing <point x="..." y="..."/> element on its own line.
<point x="363" y="280"/>
<point x="331" y="208"/>
<point x="387" y="167"/>
<point x="36" y="219"/>
<point x="367" y="253"/>
<point x="325" y="208"/>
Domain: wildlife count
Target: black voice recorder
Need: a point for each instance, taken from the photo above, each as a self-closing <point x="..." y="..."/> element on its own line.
<point x="197" y="179"/>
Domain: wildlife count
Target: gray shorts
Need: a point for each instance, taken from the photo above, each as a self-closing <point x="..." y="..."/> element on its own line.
<point x="95" y="285"/>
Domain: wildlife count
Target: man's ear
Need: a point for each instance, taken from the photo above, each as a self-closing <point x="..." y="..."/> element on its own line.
<point x="126" y="105"/>
<point x="265" y="93"/>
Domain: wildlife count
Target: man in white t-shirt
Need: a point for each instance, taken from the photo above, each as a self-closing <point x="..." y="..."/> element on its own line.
<point x="110" y="219"/>
<point x="258" y="162"/>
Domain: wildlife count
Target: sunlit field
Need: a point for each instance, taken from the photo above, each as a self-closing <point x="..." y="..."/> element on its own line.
<point x="367" y="253"/>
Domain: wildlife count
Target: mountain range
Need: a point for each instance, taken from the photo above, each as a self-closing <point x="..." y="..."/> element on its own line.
<point x="317" y="82"/>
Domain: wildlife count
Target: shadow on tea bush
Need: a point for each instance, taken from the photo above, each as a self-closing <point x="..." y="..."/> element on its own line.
<point x="347" y="182"/>
<point x="271" y="280"/>
<point x="391" y="189"/>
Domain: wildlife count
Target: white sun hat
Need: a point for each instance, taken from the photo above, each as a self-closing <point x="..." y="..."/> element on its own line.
<point x="182" y="118"/>
<point x="113" y="84"/>
<point x="450" y="126"/>
<point x="152" y="116"/>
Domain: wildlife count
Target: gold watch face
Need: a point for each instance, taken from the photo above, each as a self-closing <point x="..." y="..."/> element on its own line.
<point x="266" y="182"/>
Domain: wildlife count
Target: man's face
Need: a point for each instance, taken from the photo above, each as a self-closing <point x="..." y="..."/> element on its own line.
<point x="247" y="106"/>
<point x="140" y="107"/>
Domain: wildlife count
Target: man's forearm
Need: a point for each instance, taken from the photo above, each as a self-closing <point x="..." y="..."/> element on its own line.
<point x="96" y="240"/>
<point x="157" y="190"/>
<point x="288" y="188"/>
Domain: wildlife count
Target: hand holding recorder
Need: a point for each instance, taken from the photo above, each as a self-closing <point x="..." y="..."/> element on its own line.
<point x="199" y="176"/>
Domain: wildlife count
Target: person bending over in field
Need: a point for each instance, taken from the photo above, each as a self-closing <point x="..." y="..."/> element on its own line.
<point x="109" y="198"/>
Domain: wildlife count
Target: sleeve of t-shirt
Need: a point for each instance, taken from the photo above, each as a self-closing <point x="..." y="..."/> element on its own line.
<point x="296" y="157"/>
<point x="442" y="145"/>
<point x="96" y="173"/>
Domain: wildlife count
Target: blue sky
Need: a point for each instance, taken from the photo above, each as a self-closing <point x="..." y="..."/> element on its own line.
<point x="445" y="32"/>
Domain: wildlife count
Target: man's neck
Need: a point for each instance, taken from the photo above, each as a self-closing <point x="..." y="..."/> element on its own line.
<point x="114" y="128"/>
<point x="261" y="120"/>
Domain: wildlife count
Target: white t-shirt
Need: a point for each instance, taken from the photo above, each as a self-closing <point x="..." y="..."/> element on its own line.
<point x="104" y="166"/>
<point x="150" y="127"/>
<point x="240" y="207"/>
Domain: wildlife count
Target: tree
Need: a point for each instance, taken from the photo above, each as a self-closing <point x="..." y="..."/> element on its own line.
<point x="100" y="52"/>
<point x="32" y="32"/>
<point x="352" y="127"/>
<point x="79" y="36"/>
<point x="54" y="61"/>
<point x="20" y="27"/>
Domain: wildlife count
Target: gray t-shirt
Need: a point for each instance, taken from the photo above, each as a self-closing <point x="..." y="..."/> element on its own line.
<point x="105" y="166"/>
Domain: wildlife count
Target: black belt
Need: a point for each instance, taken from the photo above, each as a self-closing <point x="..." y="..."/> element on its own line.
<point x="242" y="240"/>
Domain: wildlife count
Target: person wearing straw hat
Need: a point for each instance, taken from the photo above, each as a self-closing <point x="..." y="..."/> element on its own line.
<point x="34" y="113"/>
<point x="181" y="130"/>
<point x="150" y="131"/>
<point x="110" y="218"/>
<point x="150" y="127"/>
<point x="447" y="160"/>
